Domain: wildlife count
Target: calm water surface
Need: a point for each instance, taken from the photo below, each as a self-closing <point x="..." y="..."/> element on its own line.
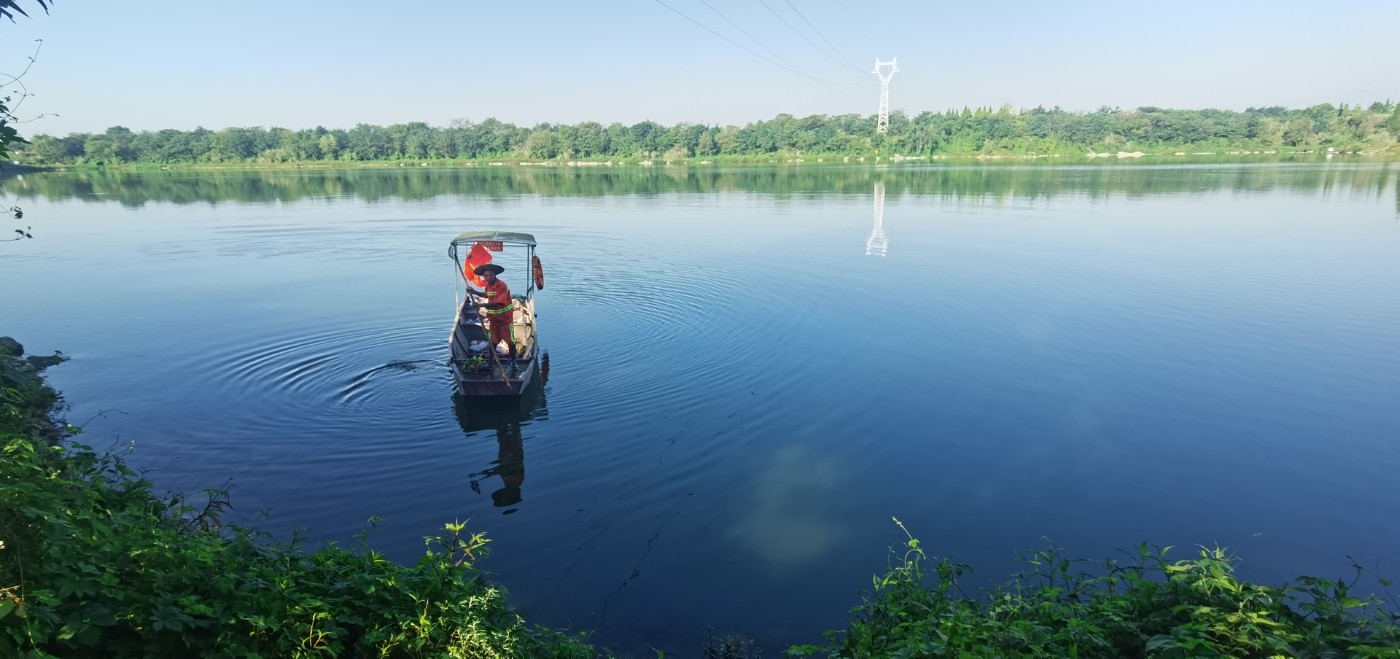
<point x="740" y="393"/>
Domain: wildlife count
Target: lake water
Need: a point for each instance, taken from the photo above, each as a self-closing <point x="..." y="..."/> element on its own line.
<point x="743" y="385"/>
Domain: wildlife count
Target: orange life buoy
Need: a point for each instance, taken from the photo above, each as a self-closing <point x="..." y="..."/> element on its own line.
<point x="539" y="272"/>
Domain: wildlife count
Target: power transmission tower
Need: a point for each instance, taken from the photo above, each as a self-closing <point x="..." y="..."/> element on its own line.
<point x="884" y="121"/>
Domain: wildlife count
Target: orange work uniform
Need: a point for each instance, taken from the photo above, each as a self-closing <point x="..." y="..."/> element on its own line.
<point x="500" y="318"/>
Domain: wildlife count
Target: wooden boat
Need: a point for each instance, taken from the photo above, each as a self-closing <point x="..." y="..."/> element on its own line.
<point x="480" y="369"/>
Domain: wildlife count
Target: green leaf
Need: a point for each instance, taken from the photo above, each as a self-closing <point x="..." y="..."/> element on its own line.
<point x="1161" y="642"/>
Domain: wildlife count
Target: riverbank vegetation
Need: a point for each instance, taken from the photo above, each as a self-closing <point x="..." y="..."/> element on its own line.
<point x="94" y="563"/>
<point x="982" y="132"/>
<point x="1145" y="606"/>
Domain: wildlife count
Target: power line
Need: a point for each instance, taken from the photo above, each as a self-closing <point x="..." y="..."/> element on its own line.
<point x="798" y="32"/>
<point x="750" y="36"/>
<point x="707" y="29"/>
<point x="750" y="51"/>
<point x="868" y="41"/>
<point x="823" y="37"/>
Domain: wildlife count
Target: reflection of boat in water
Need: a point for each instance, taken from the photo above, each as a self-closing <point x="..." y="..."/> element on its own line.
<point x="506" y="415"/>
<point x="478" y="367"/>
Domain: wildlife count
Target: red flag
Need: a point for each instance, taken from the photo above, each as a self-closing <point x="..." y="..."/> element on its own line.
<point x="478" y="257"/>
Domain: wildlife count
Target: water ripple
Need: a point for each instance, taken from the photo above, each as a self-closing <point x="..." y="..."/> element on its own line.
<point x="337" y="377"/>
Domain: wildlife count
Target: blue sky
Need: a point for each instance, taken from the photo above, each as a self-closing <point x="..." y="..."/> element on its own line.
<point x="153" y="64"/>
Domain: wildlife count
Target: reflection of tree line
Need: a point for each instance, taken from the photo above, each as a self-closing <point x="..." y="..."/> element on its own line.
<point x="977" y="182"/>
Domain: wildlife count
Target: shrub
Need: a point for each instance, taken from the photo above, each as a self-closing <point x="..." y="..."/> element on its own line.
<point x="93" y="563"/>
<point x="1151" y="607"/>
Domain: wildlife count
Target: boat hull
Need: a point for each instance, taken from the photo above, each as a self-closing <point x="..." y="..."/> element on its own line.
<point x="502" y="380"/>
<point x="485" y="373"/>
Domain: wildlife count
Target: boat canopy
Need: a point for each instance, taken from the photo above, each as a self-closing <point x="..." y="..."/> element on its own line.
<point x="501" y="236"/>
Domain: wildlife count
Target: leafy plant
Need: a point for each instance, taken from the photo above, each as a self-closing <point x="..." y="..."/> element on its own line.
<point x="8" y="8"/>
<point x="94" y="562"/>
<point x="474" y="363"/>
<point x="1150" y="607"/>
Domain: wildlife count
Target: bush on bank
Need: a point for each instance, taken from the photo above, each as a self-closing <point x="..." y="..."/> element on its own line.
<point x="1150" y="607"/>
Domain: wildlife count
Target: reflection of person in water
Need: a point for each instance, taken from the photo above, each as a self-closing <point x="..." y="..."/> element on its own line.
<point x="510" y="465"/>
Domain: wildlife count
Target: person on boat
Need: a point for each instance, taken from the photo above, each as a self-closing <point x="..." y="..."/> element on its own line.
<point x="500" y="308"/>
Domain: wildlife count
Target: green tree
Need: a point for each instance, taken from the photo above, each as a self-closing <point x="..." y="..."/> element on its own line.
<point x="648" y="136"/>
<point x="368" y="142"/>
<point x="409" y="140"/>
<point x="492" y="137"/>
<point x="620" y="141"/>
<point x="305" y="144"/>
<point x="443" y="144"/>
<point x="99" y="149"/>
<point x="590" y="140"/>
<point x="1269" y="132"/>
<point x="707" y="146"/>
<point x="542" y="144"/>
<point x="1322" y="114"/>
<point x="174" y="146"/>
<point x="1299" y="132"/>
<point x="684" y="137"/>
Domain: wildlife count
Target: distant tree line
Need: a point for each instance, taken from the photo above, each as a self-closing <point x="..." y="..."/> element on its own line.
<point x="981" y="131"/>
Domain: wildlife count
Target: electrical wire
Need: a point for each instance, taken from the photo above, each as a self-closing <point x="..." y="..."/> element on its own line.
<point x="868" y="41"/>
<point x="751" y="51"/>
<point x="823" y="37"/>
<point x="739" y="45"/>
<point x="799" y="33"/>
<point x="750" y="36"/>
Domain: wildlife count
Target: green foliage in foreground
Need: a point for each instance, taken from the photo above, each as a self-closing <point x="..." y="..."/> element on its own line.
<point x="1152" y="607"/>
<point x="94" y="562"/>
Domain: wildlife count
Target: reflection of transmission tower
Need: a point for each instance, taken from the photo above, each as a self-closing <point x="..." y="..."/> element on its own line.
<point x="884" y="121"/>
<point x="877" y="243"/>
